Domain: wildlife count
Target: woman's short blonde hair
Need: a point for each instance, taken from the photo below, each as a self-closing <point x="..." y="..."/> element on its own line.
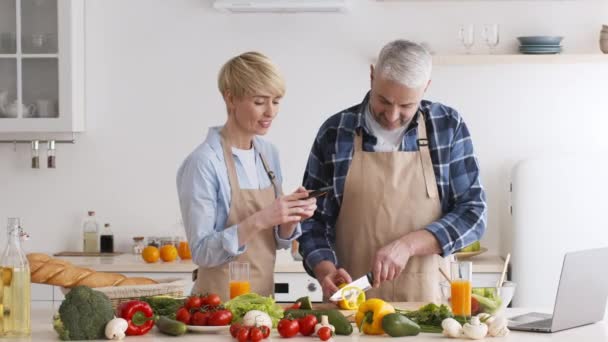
<point x="249" y="73"/>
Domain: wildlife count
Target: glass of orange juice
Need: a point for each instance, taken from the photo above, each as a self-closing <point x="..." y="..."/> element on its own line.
<point x="462" y="274"/>
<point x="239" y="278"/>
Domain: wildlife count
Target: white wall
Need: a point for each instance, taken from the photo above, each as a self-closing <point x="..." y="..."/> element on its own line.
<point x="151" y="94"/>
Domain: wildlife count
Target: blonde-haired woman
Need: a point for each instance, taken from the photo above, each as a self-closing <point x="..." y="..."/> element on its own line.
<point x="229" y="187"/>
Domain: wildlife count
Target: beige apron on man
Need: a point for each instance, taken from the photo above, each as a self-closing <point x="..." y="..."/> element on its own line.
<point x="387" y="195"/>
<point x="261" y="250"/>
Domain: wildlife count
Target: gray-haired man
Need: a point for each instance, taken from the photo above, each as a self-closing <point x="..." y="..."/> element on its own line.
<point x="406" y="185"/>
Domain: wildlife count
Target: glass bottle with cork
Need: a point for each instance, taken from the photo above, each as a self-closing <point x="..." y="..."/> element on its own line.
<point x="15" y="285"/>
<point x="90" y="232"/>
<point x="106" y="240"/>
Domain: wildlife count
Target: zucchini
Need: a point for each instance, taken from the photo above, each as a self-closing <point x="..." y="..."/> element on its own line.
<point x="397" y="325"/>
<point x="336" y="318"/>
<point x="170" y="326"/>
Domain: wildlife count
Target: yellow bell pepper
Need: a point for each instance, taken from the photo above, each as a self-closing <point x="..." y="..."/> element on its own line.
<point x="370" y="314"/>
<point x="357" y="297"/>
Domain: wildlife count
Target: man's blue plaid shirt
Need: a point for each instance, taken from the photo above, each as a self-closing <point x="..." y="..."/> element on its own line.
<point x="463" y="200"/>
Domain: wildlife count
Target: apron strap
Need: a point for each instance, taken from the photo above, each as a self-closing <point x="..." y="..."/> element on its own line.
<point x="358" y="141"/>
<point x="271" y="176"/>
<point x="230" y="166"/>
<point x="425" y="159"/>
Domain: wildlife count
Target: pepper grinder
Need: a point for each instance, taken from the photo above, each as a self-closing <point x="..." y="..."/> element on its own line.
<point x="35" y="154"/>
<point x="50" y="161"/>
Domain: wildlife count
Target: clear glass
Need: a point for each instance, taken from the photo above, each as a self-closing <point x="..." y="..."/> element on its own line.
<point x="90" y="231"/>
<point x="39" y="26"/>
<point x="466" y="34"/>
<point x="8" y="88"/>
<point x="8" y="19"/>
<point x="239" y="278"/>
<point x="490" y="34"/>
<point x="15" y="285"/>
<point x="35" y="154"/>
<point x="460" y="288"/>
<point x="40" y="88"/>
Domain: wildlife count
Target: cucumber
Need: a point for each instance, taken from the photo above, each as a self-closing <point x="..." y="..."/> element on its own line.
<point x="397" y="325"/>
<point x="305" y="303"/>
<point x="170" y="326"/>
<point x="336" y="318"/>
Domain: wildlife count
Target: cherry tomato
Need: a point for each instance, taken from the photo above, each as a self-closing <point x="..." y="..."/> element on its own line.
<point x="288" y="327"/>
<point x="324" y="333"/>
<point x="265" y="331"/>
<point x="213" y="300"/>
<point x="243" y="334"/>
<point x="307" y="324"/>
<point x="255" y="334"/>
<point x="200" y="318"/>
<point x="234" y="329"/>
<point x="183" y="315"/>
<point x="193" y="302"/>
<point x="220" y="317"/>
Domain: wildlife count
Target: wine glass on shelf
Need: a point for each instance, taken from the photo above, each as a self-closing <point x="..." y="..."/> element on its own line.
<point x="466" y="34"/>
<point x="490" y="34"/>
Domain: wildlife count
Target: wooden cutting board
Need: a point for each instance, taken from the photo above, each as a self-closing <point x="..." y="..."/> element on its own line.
<point x="80" y="254"/>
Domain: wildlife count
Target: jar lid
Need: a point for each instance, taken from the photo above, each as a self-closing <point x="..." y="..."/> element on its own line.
<point x="138" y="238"/>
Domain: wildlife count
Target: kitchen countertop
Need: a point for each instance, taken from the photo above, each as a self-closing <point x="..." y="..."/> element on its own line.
<point x="285" y="264"/>
<point x="42" y="330"/>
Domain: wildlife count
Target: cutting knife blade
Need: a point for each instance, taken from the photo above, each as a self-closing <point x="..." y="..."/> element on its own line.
<point x="364" y="283"/>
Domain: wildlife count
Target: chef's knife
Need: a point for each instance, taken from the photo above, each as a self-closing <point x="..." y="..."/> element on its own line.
<point x="364" y="283"/>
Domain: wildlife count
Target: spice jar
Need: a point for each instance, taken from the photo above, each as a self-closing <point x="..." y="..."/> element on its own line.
<point x="153" y="241"/>
<point x="138" y="245"/>
<point x="166" y="240"/>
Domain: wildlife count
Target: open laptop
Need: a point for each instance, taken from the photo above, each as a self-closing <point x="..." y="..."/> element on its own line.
<point x="581" y="295"/>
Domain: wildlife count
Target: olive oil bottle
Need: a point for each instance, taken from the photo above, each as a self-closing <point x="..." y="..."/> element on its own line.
<point x="15" y="283"/>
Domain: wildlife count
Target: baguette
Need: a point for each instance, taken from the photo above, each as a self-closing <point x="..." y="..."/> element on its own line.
<point x="47" y="270"/>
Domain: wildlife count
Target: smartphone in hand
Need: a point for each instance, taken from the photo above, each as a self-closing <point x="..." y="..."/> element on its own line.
<point x="319" y="193"/>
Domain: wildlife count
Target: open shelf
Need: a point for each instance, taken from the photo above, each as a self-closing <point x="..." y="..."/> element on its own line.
<point x="473" y="59"/>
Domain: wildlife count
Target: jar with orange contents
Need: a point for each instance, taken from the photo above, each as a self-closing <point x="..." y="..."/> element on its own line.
<point x="183" y="249"/>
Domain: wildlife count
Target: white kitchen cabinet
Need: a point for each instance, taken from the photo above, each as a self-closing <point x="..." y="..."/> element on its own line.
<point x="41" y="66"/>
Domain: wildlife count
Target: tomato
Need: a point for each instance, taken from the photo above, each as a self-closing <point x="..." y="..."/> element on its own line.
<point x="234" y="329"/>
<point x="255" y="334"/>
<point x="213" y="300"/>
<point x="220" y="317"/>
<point x="288" y="327"/>
<point x="474" y="306"/>
<point x="193" y="302"/>
<point x="307" y="324"/>
<point x="324" y="333"/>
<point x="265" y="331"/>
<point x="200" y="318"/>
<point x="243" y="334"/>
<point x="183" y="315"/>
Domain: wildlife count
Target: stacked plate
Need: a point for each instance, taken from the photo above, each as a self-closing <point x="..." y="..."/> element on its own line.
<point x="540" y="45"/>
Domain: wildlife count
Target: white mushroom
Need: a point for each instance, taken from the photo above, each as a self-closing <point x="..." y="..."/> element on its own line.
<point x="451" y="328"/>
<point x="475" y="330"/>
<point x="498" y="327"/>
<point x="115" y="329"/>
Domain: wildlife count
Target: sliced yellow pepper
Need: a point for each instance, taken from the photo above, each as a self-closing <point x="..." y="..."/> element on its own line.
<point x="352" y="296"/>
<point x="370" y="314"/>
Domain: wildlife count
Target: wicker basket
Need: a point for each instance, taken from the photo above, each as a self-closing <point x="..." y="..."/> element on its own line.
<point x="121" y="294"/>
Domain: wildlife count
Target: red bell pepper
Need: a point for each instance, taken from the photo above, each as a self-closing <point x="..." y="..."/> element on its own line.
<point x="139" y="315"/>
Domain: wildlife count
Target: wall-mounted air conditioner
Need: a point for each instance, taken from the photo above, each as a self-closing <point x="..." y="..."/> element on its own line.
<point x="281" y="6"/>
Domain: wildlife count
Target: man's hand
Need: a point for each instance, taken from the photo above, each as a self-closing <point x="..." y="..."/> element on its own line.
<point x="390" y="261"/>
<point x="329" y="277"/>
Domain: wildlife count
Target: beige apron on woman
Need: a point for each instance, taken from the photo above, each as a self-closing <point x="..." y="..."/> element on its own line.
<point x="387" y="195"/>
<point x="261" y="250"/>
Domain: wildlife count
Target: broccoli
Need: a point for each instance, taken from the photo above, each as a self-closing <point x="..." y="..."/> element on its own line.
<point x="83" y="315"/>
